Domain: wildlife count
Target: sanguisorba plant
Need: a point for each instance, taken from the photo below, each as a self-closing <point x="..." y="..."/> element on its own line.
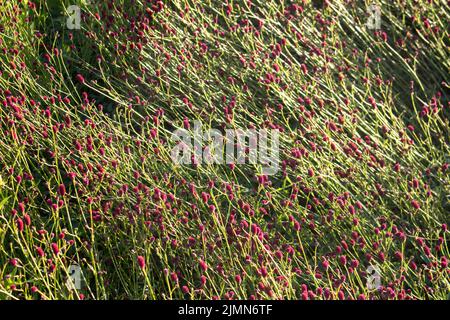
<point x="86" y="176"/>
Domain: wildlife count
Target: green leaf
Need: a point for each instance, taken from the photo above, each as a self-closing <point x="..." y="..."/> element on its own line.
<point x="3" y="202"/>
